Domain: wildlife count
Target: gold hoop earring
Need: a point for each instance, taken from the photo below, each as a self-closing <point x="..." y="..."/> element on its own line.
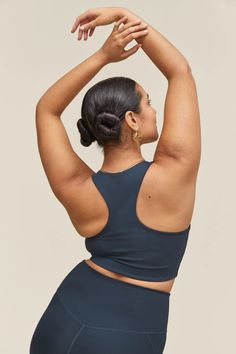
<point x="137" y="136"/>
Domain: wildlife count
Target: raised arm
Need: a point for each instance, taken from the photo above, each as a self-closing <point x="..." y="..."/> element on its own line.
<point x="180" y="139"/>
<point x="62" y="165"/>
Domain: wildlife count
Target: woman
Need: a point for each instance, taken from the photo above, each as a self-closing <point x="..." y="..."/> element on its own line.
<point x="134" y="214"/>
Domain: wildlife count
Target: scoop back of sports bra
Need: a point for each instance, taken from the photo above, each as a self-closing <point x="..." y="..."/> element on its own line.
<point x="126" y="245"/>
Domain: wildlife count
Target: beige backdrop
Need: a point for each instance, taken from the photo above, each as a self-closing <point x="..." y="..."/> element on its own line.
<point x="39" y="245"/>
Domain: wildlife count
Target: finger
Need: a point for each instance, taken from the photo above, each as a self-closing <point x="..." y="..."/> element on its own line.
<point x="118" y="23"/>
<point x="130" y="24"/>
<point x="86" y="35"/>
<point x="89" y="25"/>
<point x="79" y="20"/>
<point x="132" y="36"/>
<point x="80" y="33"/>
<point x="91" y="31"/>
<point x="140" y="27"/>
<point x="131" y="51"/>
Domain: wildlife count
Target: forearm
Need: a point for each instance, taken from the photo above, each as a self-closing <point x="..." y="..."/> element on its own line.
<point x="163" y="54"/>
<point x="63" y="91"/>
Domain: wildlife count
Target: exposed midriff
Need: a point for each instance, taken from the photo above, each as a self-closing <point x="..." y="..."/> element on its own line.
<point x="165" y="286"/>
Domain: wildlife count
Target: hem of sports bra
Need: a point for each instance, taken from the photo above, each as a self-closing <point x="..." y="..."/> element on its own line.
<point x="133" y="276"/>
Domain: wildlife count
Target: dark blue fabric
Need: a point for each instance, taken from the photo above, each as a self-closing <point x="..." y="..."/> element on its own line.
<point x="126" y="245"/>
<point x="91" y="313"/>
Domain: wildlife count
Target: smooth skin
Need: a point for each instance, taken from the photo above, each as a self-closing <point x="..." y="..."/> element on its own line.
<point x="171" y="181"/>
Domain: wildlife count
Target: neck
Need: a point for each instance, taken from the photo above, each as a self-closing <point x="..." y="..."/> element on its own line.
<point x="120" y="158"/>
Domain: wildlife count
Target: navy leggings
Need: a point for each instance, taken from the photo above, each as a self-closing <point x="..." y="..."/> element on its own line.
<point x="92" y="313"/>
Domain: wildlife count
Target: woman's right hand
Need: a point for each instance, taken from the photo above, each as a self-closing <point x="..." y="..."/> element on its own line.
<point x="114" y="47"/>
<point x="99" y="16"/>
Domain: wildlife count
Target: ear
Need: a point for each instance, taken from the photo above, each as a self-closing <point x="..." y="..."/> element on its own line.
<point x="131" y="119"/>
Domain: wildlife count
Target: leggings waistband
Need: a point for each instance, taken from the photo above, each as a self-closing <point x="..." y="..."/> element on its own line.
<point x="104" y="302"/>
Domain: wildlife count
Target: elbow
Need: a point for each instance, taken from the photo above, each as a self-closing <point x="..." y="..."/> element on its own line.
<point x="183" y="69"/>
<point x="41" y="107"/>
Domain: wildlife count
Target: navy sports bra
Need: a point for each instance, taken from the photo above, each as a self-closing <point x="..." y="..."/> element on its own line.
<point x="126" y="245"/>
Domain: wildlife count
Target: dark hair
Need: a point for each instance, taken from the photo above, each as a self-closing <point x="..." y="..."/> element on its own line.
<point x="103" y="108"/>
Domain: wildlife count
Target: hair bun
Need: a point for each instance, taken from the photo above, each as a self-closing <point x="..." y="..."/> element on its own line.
<point x="107" y="125"/>
<point x="106" y="118"/>
<point x="86" y="136"/>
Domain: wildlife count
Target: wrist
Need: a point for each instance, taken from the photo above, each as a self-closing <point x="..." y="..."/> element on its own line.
<point x="119" y="13"/>
<point x="101" y="57"/>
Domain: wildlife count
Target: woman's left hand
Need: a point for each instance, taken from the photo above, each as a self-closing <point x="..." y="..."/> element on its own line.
<point x="113" y="48"/>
